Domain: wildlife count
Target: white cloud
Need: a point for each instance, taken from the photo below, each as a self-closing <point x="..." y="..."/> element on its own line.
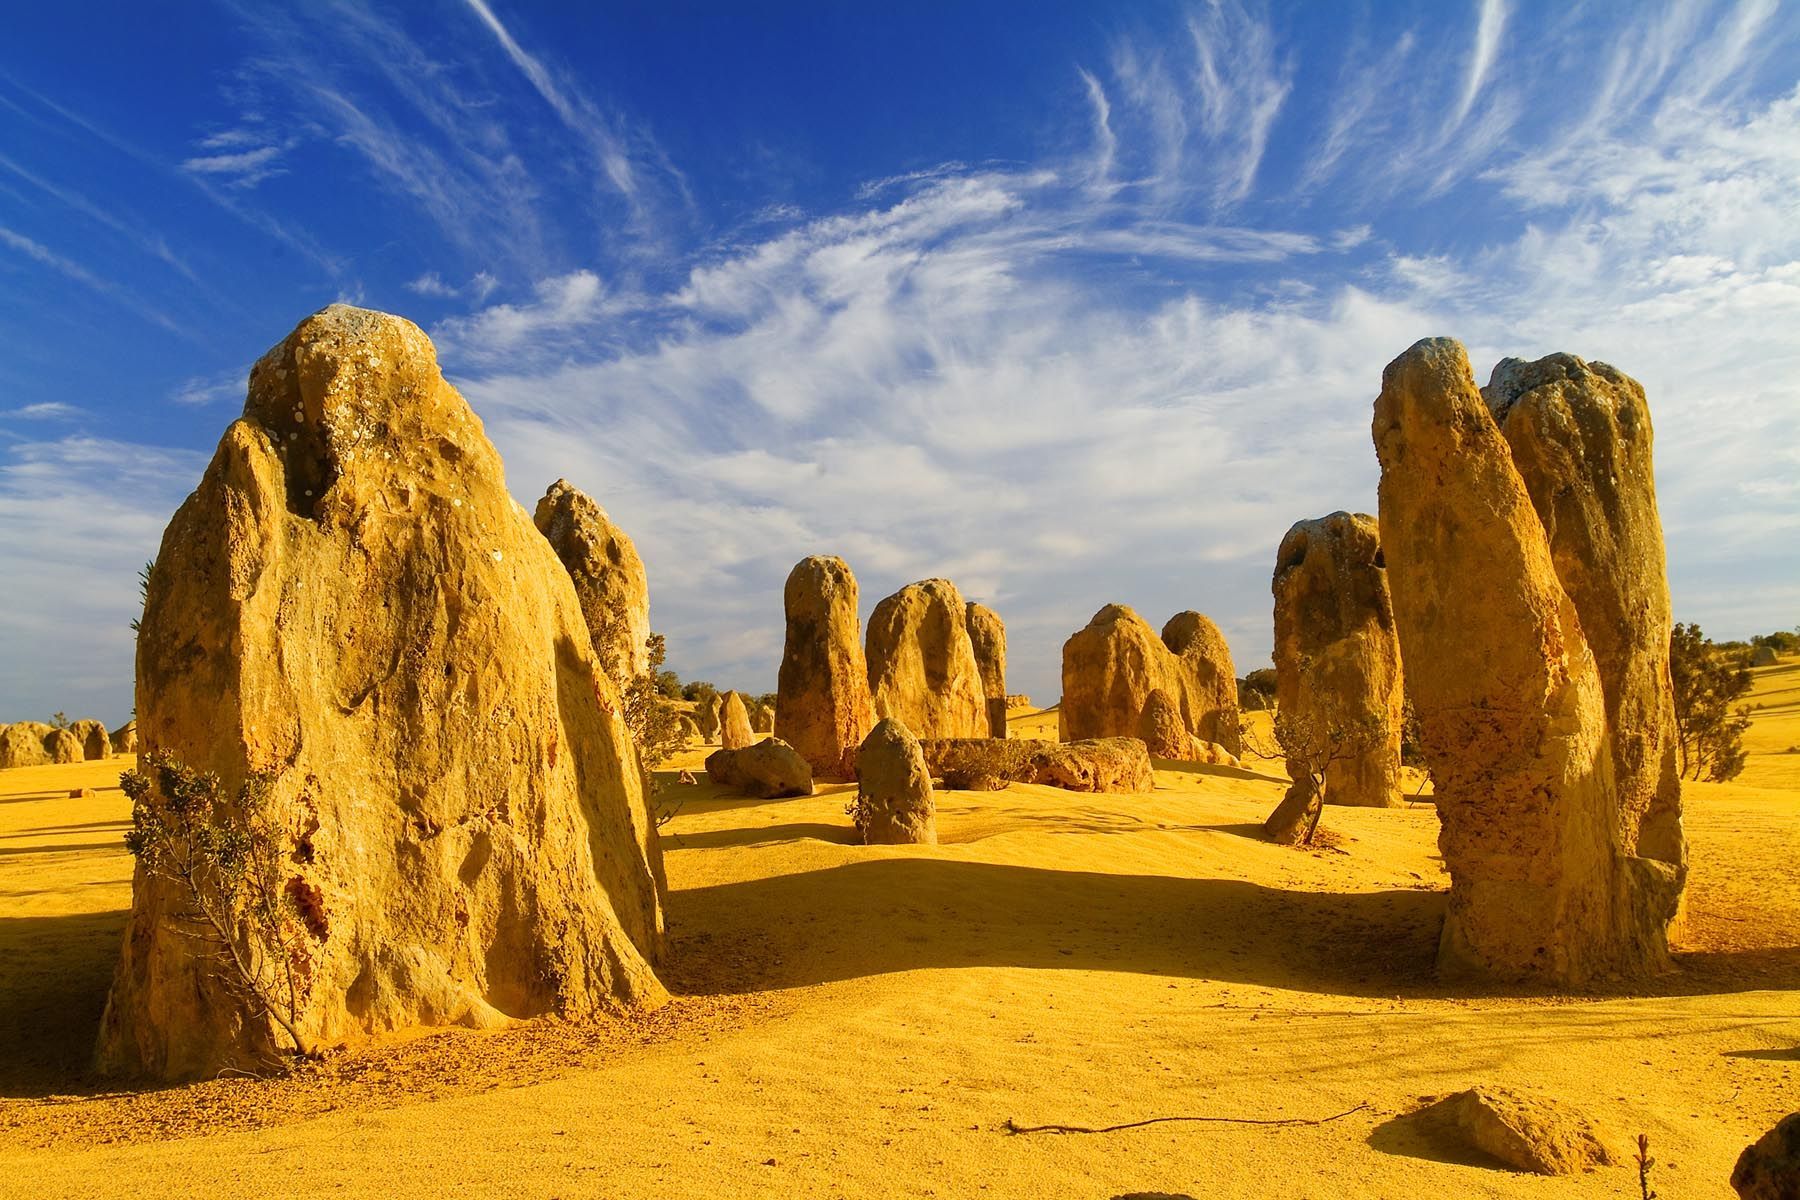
<point x="77" y="518"/>
<point x="49" y="410"/>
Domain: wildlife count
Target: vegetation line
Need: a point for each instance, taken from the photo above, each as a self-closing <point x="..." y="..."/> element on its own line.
<point x="1013" y="1127"/>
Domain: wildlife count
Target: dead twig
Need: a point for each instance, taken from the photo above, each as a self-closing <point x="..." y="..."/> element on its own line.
<point x="1013" y="1127"/>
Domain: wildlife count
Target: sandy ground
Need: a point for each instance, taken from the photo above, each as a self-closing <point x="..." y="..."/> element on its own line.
<point x="858" y="1021"/>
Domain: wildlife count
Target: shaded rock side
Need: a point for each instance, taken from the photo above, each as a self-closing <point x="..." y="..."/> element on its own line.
<point x="608" y="575"/>
<point x="894" y="803"/>
<point x="822" y="705"/>
<point x="124" y="738"/>
<point x="353" y="608"/>
<point x="706" y="716"/>
<point x="1119" y="764"/>
<point x="1509" y="699"/>
<point x="1111" y="666"/>
<point x="922" y="668"/>
<point x="1769" y="1168"/>
<point x="769" y="770"/>
<point x="1337" y="657"/>
<point x="1581" y="440"/>
<point x="734" y="722"/>
<point x="987" y="633"/>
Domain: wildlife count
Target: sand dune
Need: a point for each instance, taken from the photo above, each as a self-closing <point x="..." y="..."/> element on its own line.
<point x="848" y="1018"/>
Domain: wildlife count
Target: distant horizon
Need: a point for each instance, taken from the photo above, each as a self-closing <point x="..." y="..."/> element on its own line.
<point x="1071" y="306"/>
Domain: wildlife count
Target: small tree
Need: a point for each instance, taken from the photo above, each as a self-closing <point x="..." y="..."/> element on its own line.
<point x="668" y="685"/>
<point x="59" y="720"/>
<point x="699" y="691"/>
<point x="256" y="923"/>
<point x="1709" y="722"/>
<point x="1311" y="742"/>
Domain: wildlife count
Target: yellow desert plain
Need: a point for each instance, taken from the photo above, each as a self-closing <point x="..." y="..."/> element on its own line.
<point x="854" y="1021"/>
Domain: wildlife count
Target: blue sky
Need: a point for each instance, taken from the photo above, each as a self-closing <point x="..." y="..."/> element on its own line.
<point x="1069" y="303"/>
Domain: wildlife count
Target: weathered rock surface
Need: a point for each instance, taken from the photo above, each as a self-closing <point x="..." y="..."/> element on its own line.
<point x="1764" y="656"/>
<point x="1111" y="666"/>
<point x="762" y="718"/>
<point x="1769" y="1168"/>
<point x="734" y="722"/>
<point x="922" y="668"/>
<point x="1509" y="699"/>
<point x="1162" y="729"/>
<point x="1118" y="764"/>
<point x="769" y="770"/>
<point x="1206" y="655"/>
<point x="91" y="734"/>
<point x="894" y="804"/>
<point x="351" y="607"/>
<point x="690" y="728"/>
<point x="22" y="744"/>
<point x="62" y="746"/>
<point x="1581" y="439"/>
<point x="1212" y="754"/>
<point x="1524" y="1131"/>
<point x="1337" y="657"/>
<point x="609" y="577"/>
<point x="822" y="702"/>
<point x="125" y="738"/>
<point x="987" y="633"/>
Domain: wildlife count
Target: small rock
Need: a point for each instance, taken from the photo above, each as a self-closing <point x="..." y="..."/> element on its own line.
<point x="1530" y="1132"/>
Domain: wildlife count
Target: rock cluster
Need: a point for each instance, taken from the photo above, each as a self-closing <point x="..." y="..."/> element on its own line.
<point x="37" y="744"/>
<point x="1118" y="764"/>
<point x="769" y="770"/>
<point x="987" y="632"/>
<point x="894" y="804"/>
<point x="1337" y="657"/>
<point x="921" y="659"/>
<point x="1111" y="666"/>
<point x="351" y="612"/>
<point x="822" y="705"/>
<point x="1511" y="701"/>
<point x="608" y="575"/>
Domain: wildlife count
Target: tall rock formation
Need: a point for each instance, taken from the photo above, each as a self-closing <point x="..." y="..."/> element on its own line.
<point x="1581" y="440"/>
<point x="1510" y="702"/>
<point x="822" y="705"/>
<point x="608" y="574"/>
<point x="1337" y="657"/>
<point x="351" y="616"/>
<point x="734" y="722"/>
<point x="95" y="741"/>
<point x="922" y="668"/>
<point x="1111" y="666"/>
<point x="987" y="632"/>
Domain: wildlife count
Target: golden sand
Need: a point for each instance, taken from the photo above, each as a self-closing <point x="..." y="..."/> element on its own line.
<point x="858" y="1021"/>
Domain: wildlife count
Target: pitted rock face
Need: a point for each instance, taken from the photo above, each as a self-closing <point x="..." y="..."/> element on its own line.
<point x="352" y="605"/>
<point x="922" y="666"/>
<point x="1509" y="698"/>
<point x="1337" y="658"/>
<point x="1581" y="439"/>
<point x="1111" y="667"/>
<point x="608" y="574"/>
<point x="822" y="705"/>
<point x="987" y="633"/>
<point x="94" y="740"/>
